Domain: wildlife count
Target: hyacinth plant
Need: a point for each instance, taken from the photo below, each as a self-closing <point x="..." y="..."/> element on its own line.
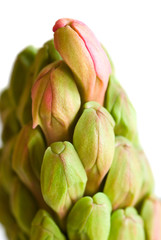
<point x="71" y="164"/>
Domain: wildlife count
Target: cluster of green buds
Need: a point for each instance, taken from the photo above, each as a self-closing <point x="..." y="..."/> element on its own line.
<point x="71" y="164"/>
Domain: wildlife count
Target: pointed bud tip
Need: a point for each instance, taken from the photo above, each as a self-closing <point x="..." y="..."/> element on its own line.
<point x="61" y="23"/>
<point x="34" y="125"/>
<point x="57" y="147"/>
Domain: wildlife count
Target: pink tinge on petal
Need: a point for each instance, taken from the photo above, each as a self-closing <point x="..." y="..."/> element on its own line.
<point x="35" y="104"/>
<point x="74" y="52"/>
<point x="100" y="60"/>
<point x="41" y="98"/>
<point x="99" y="57"/>
<point x="62" y="23"/>
<point x="47" y="98"/>
<point x="46" y="106"/>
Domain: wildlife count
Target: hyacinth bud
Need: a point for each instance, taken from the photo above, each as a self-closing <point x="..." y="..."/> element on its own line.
<point x="13" y="231"/>
<point x="63" y="178"/>
<point x="90" y="218"/>
<point x="6" y="217"/>
<point x="53" y="54"/>
<point x="94" y="141"/>
<point x="19" y="73"/>
<point x="46" y="55"/>
<point x="6" y="173"/>
<point x="151" y="214"/>
<point x="44" y="227"/>
<point x="85" y="56"/>
<point x="11" y="126"/>
<point x="124" y="180"/>
<point x="23" y="205"/>
<point x="27" y="158"/>
<point x="126" y="225"/>
<point x="8" y="116"/>
<point x="147" y="176"/>
<point x="120" y="107"/>
<point x="5" y="104"/>
<point x="55" y="101"/>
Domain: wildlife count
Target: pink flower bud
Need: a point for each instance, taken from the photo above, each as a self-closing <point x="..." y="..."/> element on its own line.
<point x="83" y="53"/>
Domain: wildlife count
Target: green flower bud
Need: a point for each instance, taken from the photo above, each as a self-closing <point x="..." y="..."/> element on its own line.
<point x="11" y="126"/>
<point x="52" y="52"/>
<point x="147" y="176"/>
<point x="44" y="227"/>
<point x="123" y="183"/>
<point x="63" y="178"/>
<point x="6" y="217"/>
<point x="151" y="214"/>
<point x="126" y="225"/>
<point x="27" y="158"/>
<point x="46" y="55"/>
<point x="90" y="218"/>
<point x="6" y="173"/>
<point x="19" y="73"/>
<point x="55" y="102"/>
<point x="8" y="116"/>
<point x="120" y="107"/>
<point x="5" y="104"/>
<point x="23" y="205"/>
<point x="94" y="141"/>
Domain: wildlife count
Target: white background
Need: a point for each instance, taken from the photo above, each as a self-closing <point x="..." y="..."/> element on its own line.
<point x="131" y="32"/>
